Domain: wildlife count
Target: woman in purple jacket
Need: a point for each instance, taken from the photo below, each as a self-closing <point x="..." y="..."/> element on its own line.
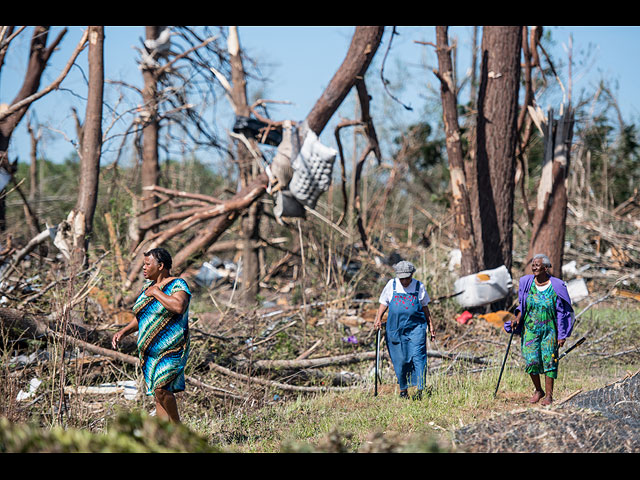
<point x="544" y="319"/>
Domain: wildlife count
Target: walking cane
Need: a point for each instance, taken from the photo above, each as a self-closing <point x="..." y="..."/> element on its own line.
<point x="375" y="393"/>
<point x="577" y="344"/>
<point x="504" y="361"/>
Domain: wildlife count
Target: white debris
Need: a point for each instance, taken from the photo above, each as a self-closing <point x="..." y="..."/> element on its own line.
<point x="577" y="290"/>
<point x="570" y="268"/>
<point x="312" y="167"/>
<point x="34" y="383"/>
<point x="455" y="259"/>
<point x="484" y="287"/>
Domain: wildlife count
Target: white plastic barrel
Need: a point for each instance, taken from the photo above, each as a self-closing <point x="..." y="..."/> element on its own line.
<point x="484" y="287"/>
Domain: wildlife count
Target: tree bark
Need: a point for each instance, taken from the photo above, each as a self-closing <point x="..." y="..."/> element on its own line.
<point x="364" y="45"/>
<point x="549" y="219"/>
<point x="250" y="221"/>
<point x="459" y="190"/>
<point x="497" y="140"/>
<point x="150" y="170"/>
<point x="91" y="147"/>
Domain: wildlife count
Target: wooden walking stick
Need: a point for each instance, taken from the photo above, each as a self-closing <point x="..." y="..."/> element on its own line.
<point x="505" y="360"/>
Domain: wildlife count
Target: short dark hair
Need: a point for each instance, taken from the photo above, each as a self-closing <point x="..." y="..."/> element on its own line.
<point x="161" y="256"/>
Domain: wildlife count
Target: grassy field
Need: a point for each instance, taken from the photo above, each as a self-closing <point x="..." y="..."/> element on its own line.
<point x="358" y="421"/>
<point x="348" y="421"/>
<point x="355" y="420"/>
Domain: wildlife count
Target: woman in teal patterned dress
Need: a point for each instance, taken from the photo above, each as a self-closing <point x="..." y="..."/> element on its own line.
<point x="162" y="312"/>
<point x="545" y="320"/>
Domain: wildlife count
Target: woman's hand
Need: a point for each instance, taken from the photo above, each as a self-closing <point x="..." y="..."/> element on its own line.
<point x="116" y="338"/>
<point x="377" y="324"/>
<point x="152" y="291"/>
<point x="131" y="326"/>
<point x="515" y="321"/>
<point x="561" y="342"/>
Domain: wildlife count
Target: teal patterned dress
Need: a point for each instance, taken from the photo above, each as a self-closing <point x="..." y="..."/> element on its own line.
<point x="540" y="336"/>
<point x="163" y="339"/>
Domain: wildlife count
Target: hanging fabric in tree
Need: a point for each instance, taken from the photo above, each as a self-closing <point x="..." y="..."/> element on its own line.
<point x="286" y="152"/>
<point x="254" y="128"/>
<point x="286" y="204"/>
<point x="312" y="168"/>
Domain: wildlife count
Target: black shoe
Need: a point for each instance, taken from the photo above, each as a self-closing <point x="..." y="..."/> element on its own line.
<point x="417" y="395"/>
<point x="404" y="394"/>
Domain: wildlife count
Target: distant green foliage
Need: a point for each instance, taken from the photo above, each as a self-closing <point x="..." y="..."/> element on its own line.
<point x="426" y="159"/>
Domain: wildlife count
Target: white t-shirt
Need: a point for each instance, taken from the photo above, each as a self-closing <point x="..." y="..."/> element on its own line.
<point x="387" y="292"/>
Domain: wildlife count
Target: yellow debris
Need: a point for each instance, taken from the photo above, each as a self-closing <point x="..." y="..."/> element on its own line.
<point x="627" y="294"/>
<point x="498" y="318"/>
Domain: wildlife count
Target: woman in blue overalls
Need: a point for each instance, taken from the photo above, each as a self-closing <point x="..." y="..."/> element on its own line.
<point x="407" y="323"/>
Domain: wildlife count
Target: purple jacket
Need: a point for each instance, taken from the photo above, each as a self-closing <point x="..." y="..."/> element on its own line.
<point x="564" y="310"/>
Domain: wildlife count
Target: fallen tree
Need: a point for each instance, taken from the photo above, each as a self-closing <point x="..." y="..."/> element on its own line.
<point x="363" y="47"/>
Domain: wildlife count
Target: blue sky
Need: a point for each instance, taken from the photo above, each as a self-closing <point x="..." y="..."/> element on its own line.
<point x="300" y="62"/>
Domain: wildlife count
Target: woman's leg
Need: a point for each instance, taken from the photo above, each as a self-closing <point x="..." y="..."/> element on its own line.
<point x="539" y="393"/>
<point x="419" y="356"/>
<point x="548" y="399"/>
<point x="531" y="348"/>
<point x="398" y="354"/>
<point x="166" y="405"/>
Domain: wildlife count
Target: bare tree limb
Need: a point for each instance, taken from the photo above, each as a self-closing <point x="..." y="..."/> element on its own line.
<point x="55" y="84"/>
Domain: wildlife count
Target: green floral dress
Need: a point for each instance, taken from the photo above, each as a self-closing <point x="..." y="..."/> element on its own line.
<point x="540" y="335"/>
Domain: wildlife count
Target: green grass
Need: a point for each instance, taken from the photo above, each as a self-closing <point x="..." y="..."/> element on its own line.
<point x="354" y="420"/>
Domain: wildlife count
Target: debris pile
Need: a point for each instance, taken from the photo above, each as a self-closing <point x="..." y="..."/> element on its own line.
<point x="618" y="401"/>
<point x="605" y="420"/>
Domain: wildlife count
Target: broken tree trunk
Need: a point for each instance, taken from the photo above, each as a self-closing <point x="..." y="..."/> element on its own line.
<point x="459" y="191"/>
<point x="351" y="358"/>
<point x="549" y="220"/>
<point x="250" y="221"/>
<point x="38" y="327"/>
<point x="91" y="148"/>
<point x="364" y="45"/>
<point x="271" y="383"/>
<point x="150" y="170"/>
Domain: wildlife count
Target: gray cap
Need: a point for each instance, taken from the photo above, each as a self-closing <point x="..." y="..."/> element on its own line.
<point x="404" y="269"/>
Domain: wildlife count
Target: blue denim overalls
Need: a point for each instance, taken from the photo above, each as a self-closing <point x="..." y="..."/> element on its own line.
<point x="406" y="336"/>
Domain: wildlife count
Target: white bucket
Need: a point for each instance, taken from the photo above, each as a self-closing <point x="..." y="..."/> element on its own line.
<point x="484" y="287"/>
